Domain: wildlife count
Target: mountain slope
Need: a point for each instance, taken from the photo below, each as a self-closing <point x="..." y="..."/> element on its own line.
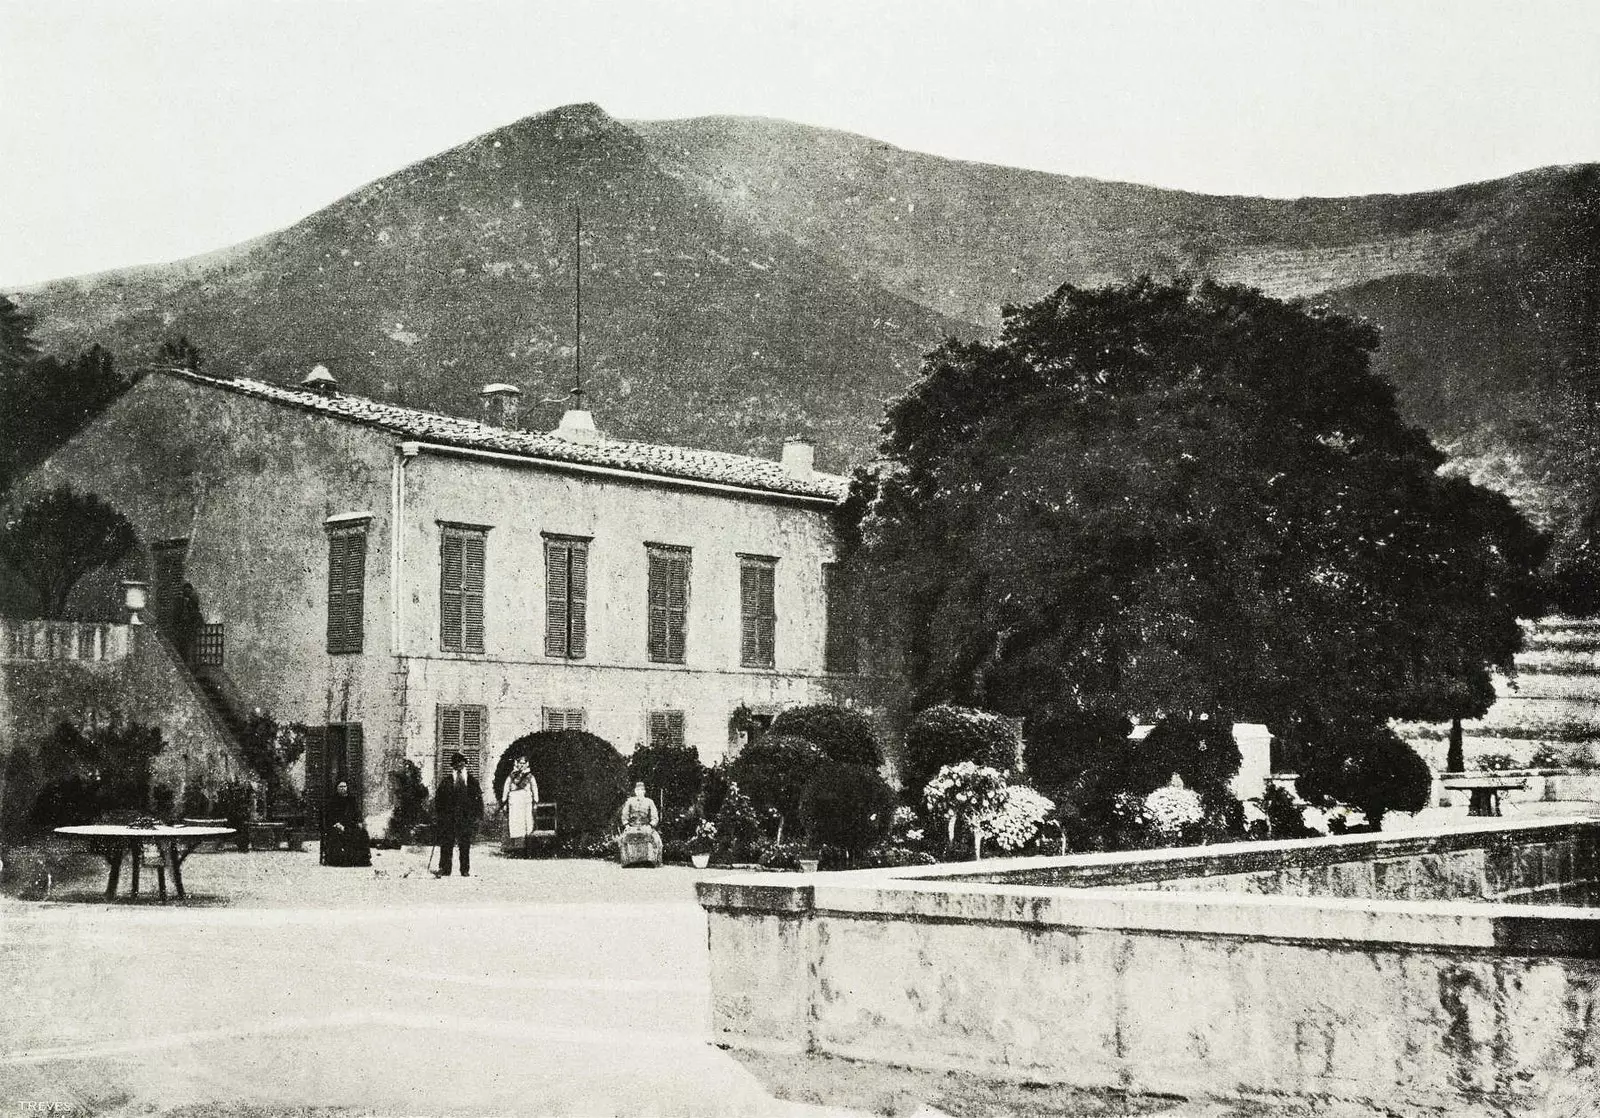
<point x="746" y="279"/>
<point x="698" y="327"/>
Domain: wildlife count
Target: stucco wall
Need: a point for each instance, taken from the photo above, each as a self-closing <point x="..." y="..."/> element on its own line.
<point x="1438" y="1004"/>
<point x="250" y="484"/>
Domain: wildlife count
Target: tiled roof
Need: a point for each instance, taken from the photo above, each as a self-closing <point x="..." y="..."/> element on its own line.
<point x="647" y="459"/>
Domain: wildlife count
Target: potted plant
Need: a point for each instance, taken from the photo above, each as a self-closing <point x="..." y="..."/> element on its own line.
<point x="701" y="844"/>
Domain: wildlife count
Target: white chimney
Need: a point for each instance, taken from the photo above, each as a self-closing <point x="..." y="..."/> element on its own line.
<point x="502" y="404"/>
<point x="799" y="458"/>
<point x="577" y="427"/>
<point x="320" y="380"/>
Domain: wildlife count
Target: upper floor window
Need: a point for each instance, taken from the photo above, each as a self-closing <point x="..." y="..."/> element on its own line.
<point x="347" y="584"/>
<point x="839" y="643"/>
<point x="461" y="563"/>
<point x="758" y="613"/>
<point x="566" y="595"/>
<point x="668" y="593"/>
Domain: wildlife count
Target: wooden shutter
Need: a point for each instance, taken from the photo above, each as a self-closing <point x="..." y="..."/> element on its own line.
<point x="450" y="612"/>
<point x="355" y="755"/>
<point x="665" y="728"/>
<point x="556" y="553"/>
<point x="447" y="741"/>
<point x="316" y="770"/>
<point x="578" y="601"/>
<point x="472" y="592"/>
<point x="757" y="613"/>
<point x="839" y="642"/>
<point x="472" y="719"/>
<point x="566" y="598"/>
<point x="347" y="576"/>
<point x="669" y="605"/>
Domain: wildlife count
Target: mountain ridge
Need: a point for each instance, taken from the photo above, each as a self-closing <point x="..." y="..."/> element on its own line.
<point x="751" y="278"/>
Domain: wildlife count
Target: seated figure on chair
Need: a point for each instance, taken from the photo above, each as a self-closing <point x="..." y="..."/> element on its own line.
<point x="640" y="844"/>
<point x="344" y="835"/>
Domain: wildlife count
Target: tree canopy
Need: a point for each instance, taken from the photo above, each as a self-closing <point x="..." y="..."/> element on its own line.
<point x="1165" y="499"/>
<point x="57" y="538"/>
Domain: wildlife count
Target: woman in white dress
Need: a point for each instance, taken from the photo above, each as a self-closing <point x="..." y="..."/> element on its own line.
<point x="522" y="792"/>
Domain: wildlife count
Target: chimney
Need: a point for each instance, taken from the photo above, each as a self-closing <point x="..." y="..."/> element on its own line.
<point x="577" y="427"/>
<point x="502" y="403"/>
<point x="799" y="458"/>
<point x="321" y="381"/>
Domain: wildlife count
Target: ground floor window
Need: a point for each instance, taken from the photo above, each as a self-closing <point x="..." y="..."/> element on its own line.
<point x="664" y="728"/>
<point x="460" y="729"/>
<point x="565" y="718"/>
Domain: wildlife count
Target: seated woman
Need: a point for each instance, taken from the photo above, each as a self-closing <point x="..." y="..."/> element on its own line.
<point x="640" y="844"/>
<point x="344" y="835"/>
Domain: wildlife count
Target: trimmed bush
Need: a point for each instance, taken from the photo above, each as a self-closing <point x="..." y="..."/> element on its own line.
<point x="738" y="825"/>
<point x="848" y="806"/>
<point x="843" y="735"/>
<point x="1370" y="769"/>
<point x="1062" y="748"/>
<point x="774" y="773"/>
<point x="947" y="735"/>
<point x="582" y="773"/>
<point x="410" y="796"/>
<point x="672" y="774"/>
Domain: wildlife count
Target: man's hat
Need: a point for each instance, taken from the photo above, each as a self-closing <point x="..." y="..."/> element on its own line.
<point x="458" y="759"/>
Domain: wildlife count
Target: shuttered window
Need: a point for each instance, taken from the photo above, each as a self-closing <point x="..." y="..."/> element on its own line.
<point x="758" y="617"/>
<point x="839" y="643"/>
<point x="461" y="562"/>
<point x="668" y="593"/>
<point x="334" y="752"/>
<point x="566" y="718"/>
<point x="566" y="594"/>
<point x="461" y="729"/>
<point x="347" y="584"/>
<point x="664" y="727"/>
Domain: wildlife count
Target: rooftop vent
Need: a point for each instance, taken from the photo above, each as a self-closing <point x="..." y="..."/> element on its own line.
<point x="502" y="404"/>
<point x="799" y="459"/>
<point x="320" y="380"/>
<point x="577" y="427"/>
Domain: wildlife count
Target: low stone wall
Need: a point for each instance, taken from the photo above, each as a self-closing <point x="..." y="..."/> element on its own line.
<point x="1199" y="972"/>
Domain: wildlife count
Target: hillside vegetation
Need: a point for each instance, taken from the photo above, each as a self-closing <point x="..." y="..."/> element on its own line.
<point x="747" y="279"/>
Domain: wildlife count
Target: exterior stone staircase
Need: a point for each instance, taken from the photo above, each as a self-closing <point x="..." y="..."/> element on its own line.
<point x="1545" y="721"/>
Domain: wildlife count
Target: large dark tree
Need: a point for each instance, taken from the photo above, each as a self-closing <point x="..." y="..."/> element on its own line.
<point x="57" y="538"/>
<point x="1174" y="499"/>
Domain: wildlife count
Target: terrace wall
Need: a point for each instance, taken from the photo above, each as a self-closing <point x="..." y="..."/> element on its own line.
<point x="1139" y="972"/>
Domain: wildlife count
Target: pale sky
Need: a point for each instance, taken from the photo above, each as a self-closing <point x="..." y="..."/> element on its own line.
<point x="135" y="132"/>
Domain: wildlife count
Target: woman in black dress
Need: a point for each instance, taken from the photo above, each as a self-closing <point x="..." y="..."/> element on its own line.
<point x="344" y="835"/>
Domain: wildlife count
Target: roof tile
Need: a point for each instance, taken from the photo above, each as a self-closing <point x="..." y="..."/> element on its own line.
<point x="648" y="459"/>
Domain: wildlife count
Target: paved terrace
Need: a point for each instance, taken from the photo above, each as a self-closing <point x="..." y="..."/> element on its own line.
<point x="533" y="988"/>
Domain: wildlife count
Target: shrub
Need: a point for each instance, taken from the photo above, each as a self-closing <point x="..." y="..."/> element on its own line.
<point x="848" y="806"/>
<point x="580" y="772"/>
<point x="944" y="735"/>
<point x="774" y="773"/>
<point x="675" y="852"/>
<point x="94" y="773"/>
<point x="269" y="747"/>
<point x="1497" y="762"/>
<point x="410" y="797"/>
<point x="1371" y="770"/>
<point x="672" y="774"/>
<point x="1284" y="814"/>
<point x="196" y="803"/>
<point x="738" y="827"/>
<point x="1062" y="748"/>
<point x="1013" y="817"/>
<point x="843" y="735"/>
<point x="781" y="856"/>
<point x="715" y="789"/>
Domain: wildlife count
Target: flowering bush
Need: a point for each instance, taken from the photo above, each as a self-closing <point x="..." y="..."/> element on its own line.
<point x="704" y="838"/>
<point x="906" y="827"/>
<point x="1013" y="817"/>
<point x="1172" y="808"/>
<point x="965" y="789"/>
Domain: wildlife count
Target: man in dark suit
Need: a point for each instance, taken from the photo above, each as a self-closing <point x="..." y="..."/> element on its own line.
<point x="457" y="807"/>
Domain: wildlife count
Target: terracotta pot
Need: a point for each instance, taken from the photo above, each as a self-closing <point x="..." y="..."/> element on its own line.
<point x="701" y="861"/>
<point x="808" y="865"/>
